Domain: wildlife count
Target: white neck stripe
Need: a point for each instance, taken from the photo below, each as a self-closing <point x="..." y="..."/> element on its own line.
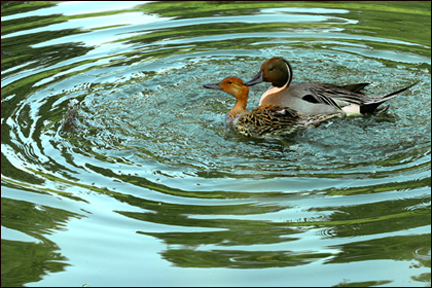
<point x="289" y="74"/>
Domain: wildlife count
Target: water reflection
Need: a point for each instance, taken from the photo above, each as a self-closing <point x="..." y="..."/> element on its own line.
<point x="205" y="249"/>
<point x="37" y="257"/>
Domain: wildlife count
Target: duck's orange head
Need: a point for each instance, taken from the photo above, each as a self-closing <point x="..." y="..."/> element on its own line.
<point x="231" y="85"/>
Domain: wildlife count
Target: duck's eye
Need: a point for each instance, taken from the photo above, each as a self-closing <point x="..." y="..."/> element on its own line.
<point x="272" y="69"/>
<point x="229" y="82"/>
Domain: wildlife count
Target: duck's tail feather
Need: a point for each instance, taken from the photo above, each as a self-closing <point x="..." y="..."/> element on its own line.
<point x="393" y="94"/>
<point x="371" y="106"/>
<point x="381" y="109"/>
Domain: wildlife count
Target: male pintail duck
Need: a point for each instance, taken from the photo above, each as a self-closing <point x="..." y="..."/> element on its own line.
<point x="315" y="98"/>
<point x="263" y="119"/>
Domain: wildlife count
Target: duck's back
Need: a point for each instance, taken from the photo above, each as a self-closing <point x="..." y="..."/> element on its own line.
<point x="315" y="98"/>
<point x="264" y="119"/>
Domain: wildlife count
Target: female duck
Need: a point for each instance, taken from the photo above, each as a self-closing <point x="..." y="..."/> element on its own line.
<point x="263" y="119"/>
<point x="315" y="98"/>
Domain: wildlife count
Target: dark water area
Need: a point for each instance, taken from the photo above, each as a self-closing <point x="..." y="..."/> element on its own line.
<point x="117" y="169"/>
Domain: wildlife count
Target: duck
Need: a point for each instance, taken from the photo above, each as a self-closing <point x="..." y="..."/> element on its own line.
<point x="263" y="119"/>
<point x="316" y="98"/>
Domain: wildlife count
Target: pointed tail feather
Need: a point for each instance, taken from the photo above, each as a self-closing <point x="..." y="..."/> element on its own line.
<point x="369" y="107"/>
<point x="393" y="94"/>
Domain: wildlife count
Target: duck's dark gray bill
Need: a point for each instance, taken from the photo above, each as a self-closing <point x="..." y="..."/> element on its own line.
<point x="215" y="86"/>
<point x="257" y="79"/>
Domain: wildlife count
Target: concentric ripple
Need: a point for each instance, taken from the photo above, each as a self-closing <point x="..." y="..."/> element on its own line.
<point x="106" y="130"/>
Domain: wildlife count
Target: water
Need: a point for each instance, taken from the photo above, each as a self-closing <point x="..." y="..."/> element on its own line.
<point x="117" y="170"/>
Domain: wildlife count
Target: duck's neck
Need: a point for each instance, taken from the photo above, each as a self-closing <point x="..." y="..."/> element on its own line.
<point x="271" y="91"/>
<point x="240" y="106"/>
<point x="276" y="88"/>
<point x="285" y="76"/>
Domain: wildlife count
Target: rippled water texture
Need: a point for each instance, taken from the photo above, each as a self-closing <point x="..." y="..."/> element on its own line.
<point x="117" y="170"/>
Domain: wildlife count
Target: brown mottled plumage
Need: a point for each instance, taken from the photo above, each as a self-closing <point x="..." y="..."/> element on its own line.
<point x="263" y="119"/>
<point x="266" y="118"/>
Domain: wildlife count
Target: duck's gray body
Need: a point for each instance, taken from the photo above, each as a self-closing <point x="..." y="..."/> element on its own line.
<point x="315" y="98"/>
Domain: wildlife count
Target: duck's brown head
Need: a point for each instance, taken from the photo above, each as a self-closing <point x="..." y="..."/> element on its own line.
<point x="275" y="70"/>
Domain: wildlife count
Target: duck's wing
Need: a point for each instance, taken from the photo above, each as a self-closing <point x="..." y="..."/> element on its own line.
<point x="355" y="87"/>
<point x="333" y="95"/>
<point x="339" y="97"/>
